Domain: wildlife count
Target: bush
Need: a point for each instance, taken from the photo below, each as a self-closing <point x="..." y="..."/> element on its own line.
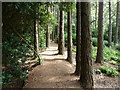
<point x="42" y="39"/>
<point x="94" y="41"/>
<point x="105" y="42"/>
<point x="98" y="71"/>
<point x="74" y="39"/>
<point x="110" y="71"/>
<point x="117" y="47"/>
<point x="94" y="52"/>
<point x="104" y="69"/>
<point x="74" y="49"/>
<point x="111" y="54"/>
<point x="113" y="62"/>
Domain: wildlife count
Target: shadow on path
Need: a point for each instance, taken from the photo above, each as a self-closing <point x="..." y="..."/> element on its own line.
<point x="55" y="72"/>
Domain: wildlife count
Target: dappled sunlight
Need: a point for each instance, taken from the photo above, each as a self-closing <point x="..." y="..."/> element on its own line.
<point x="51" y="53"/>
<point x="55" y="72"/>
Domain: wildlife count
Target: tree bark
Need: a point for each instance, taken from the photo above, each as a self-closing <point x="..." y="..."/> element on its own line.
<point x="61" y="33"/>
<point x="110" y="26"/>
<point x="117" y="25"/>
<point x="57" y="31"/>
<point x="100" y="56"/>
<point x="78" y="38"/>
<point x="36" y="37"/>
<point x="48" y="32"/>
<point x="86" y="77"/>
<point x="96" y="15"/>
<point x="53" y="31"/>
<point x="69" y="49"/>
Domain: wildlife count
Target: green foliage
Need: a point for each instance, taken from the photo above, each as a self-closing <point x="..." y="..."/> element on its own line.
<point x="19" y="17"/>
<point x="74" y="39"/>
<point x="13" y="72"/>
<point x="66" y="6"/>
<point x="113" y="62"/>
<point x="94" y="41"/>
<point x="94" y="52"/>
<point x="74" y="49"/>
<point x="109" y="54"/>
<point x="42" y="38"/>
<point x="105" y="42"/>
<point x="117" y="47"/>
<point x="110" y="71"/>
<point x="104" y="69"/>
<point x="98" y="71"/>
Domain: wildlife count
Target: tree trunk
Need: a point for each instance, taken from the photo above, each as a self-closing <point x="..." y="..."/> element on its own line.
<point x="53" y="31"/>
<point x="117" y="25"/>
<point x="48" y="32"/>
<point x="96" y="15"/>
<point x="100" y="57"/>
<point x="110" y="26"/>
<point x="69" y="49"/>
<point x="78" y="38"/>
<point x="86" y="77"/>
<point x="61" y="34"/>
<point x="36" y="38"/>
<point x="57" y="28"/>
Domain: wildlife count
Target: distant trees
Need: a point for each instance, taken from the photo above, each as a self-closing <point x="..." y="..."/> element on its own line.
<point x="86" y="74"/>
<point x="110" y="26"/>
<point x="100" y="57"/>
<point x="78" y="38"/>
<point x="96" y="13"/>
<point x="117" y="22"/>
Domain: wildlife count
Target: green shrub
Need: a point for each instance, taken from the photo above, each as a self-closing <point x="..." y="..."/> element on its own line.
<point x="94" y="52"/>
<point x="94" y="41"/>
<point x="105" y="42"/>
<point x="110" y="54"/>
<point x="74" y="39"/>
<point x="42" y="41"/>
<point x="74" y="49"/>
<point x="110" y="71"/>
<point x="113" y="62"/>
<point x="98" y="71"/>
<point x="65" y="36"/>
<point x="117" y="47"/>
<point x="104" y="69"/>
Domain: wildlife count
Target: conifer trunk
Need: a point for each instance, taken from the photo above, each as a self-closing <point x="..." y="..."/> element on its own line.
<point x="117" y="22"/>
<point x="36" y="38"/>
<point x="78" y="38"/>
<point x="69" y="58"/>
<point x="61" y="34"/>
<point x="110" y="26"/>
<point x="86" y="75"/>
<point x="100" y="56"/>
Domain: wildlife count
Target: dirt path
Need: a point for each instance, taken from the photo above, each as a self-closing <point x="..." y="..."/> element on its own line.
<point x="55" y="72"/>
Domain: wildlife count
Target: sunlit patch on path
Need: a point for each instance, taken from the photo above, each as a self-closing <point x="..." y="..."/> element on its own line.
<point x="55" y="72"/>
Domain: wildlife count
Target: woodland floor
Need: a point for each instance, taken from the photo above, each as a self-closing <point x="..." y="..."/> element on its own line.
<point x="56" y="72"/>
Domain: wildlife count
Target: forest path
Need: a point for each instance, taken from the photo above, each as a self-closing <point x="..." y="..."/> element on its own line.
<point x="55" y="72"/>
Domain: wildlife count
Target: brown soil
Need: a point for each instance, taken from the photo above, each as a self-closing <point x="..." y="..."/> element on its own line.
<point x="56" y="72"/>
